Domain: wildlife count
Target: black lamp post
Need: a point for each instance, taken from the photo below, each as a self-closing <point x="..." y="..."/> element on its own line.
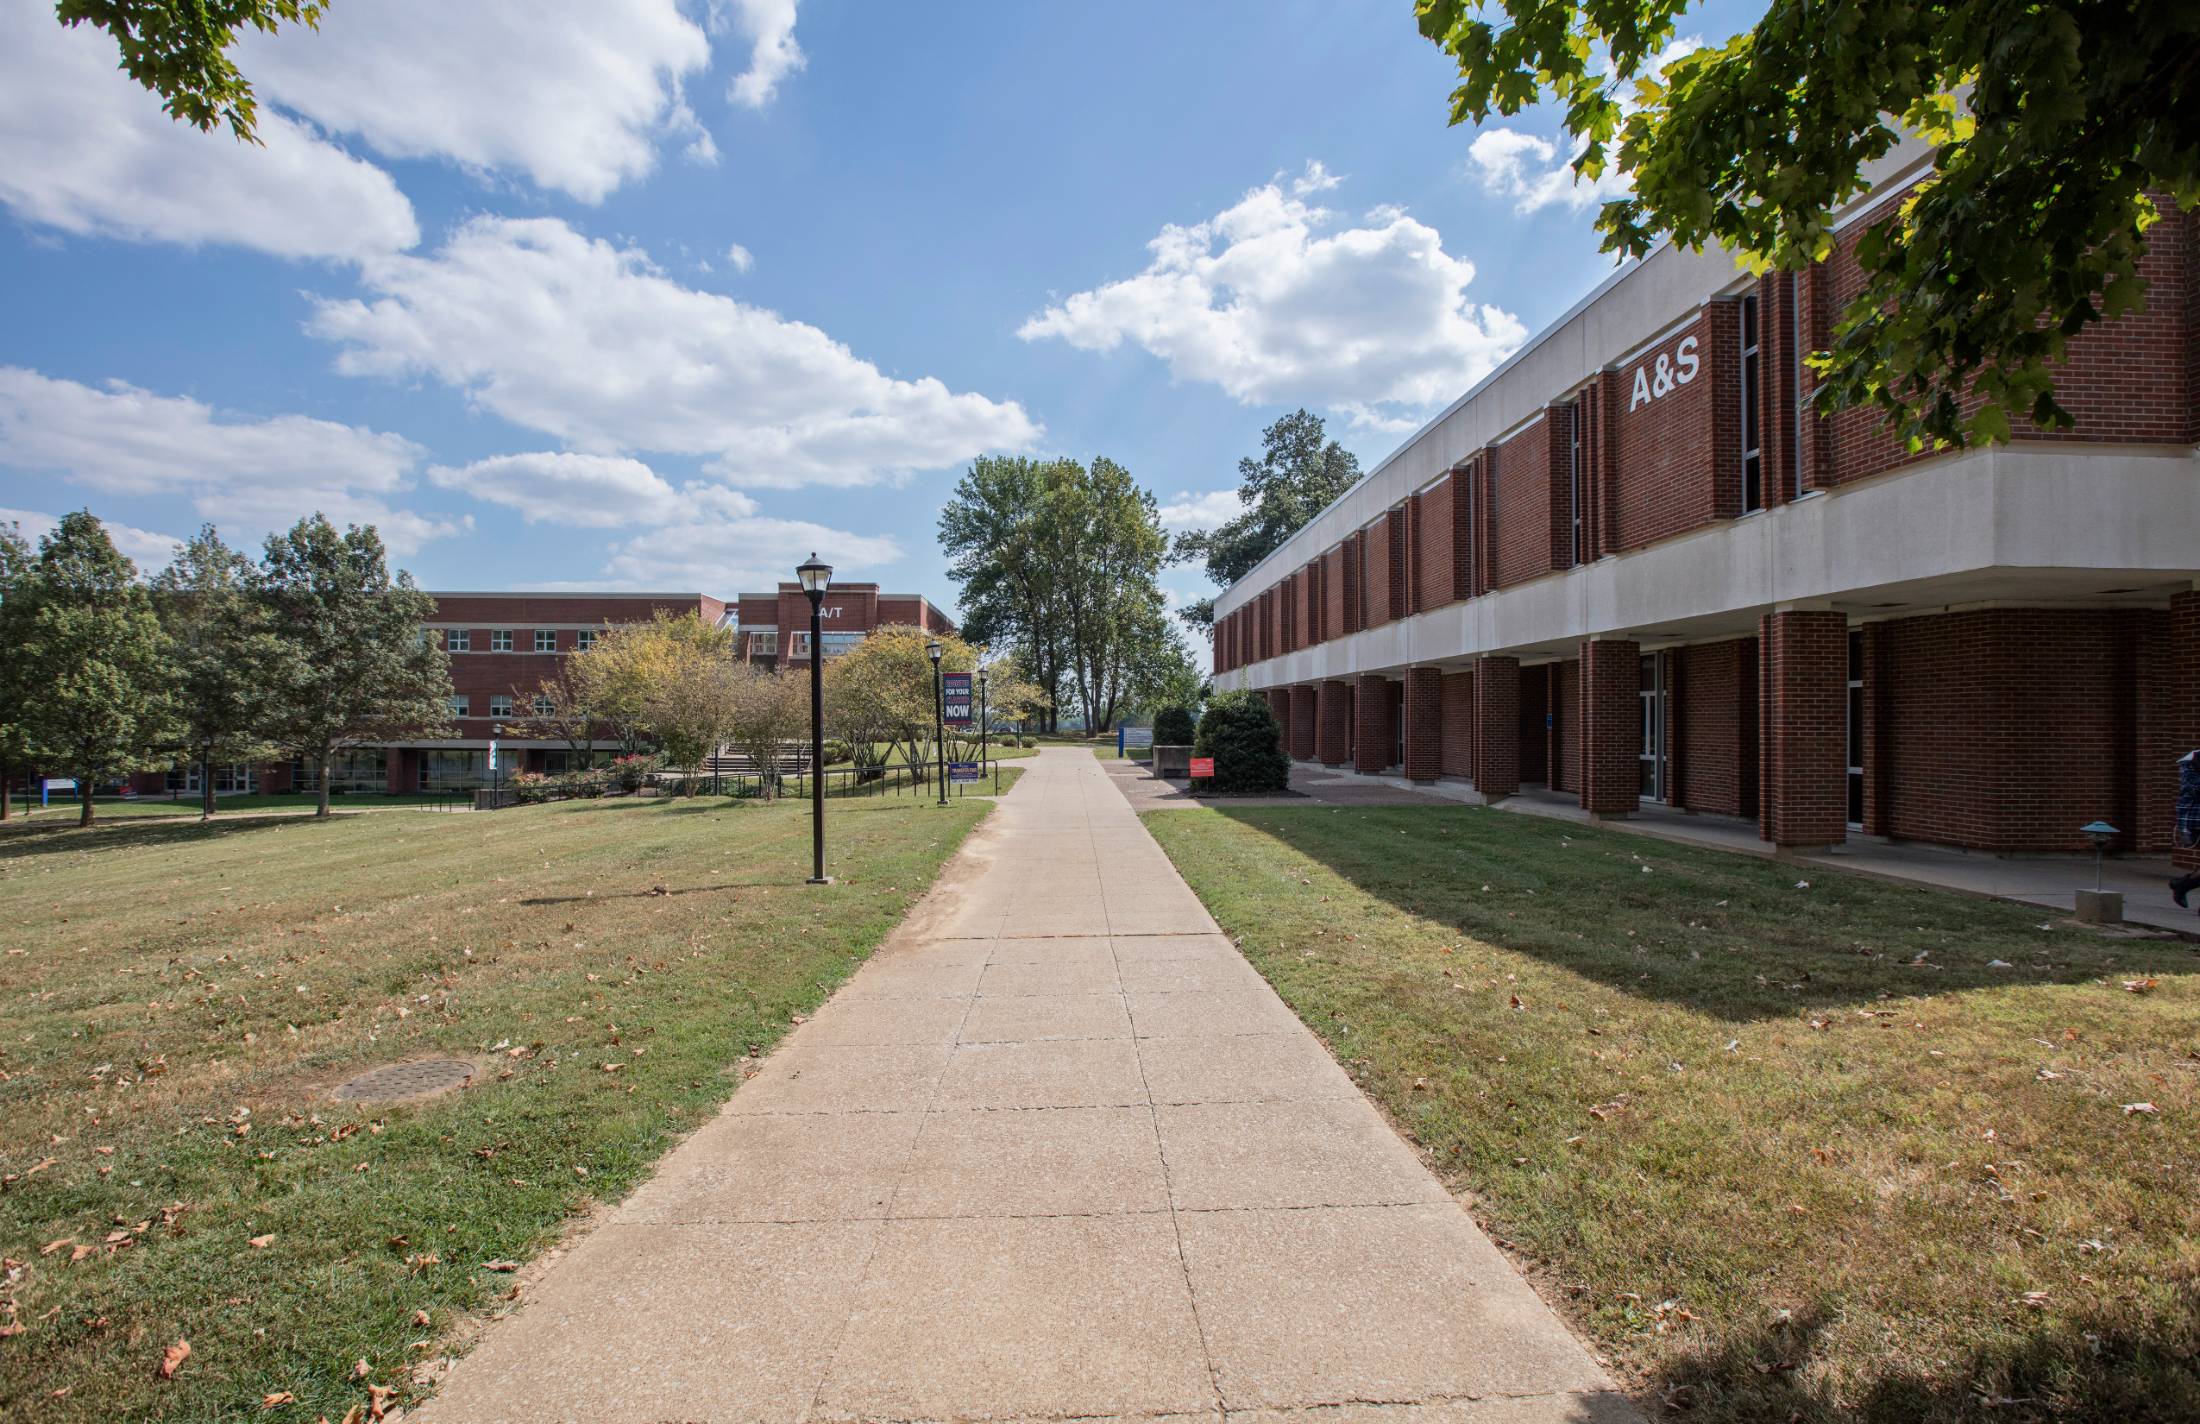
<point x="939" y="718"/>
<point x="815" y="575"/>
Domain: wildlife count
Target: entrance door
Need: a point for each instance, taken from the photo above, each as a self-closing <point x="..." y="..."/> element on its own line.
<point x="1651" y="755"/>
<point x="1856" y="730"/>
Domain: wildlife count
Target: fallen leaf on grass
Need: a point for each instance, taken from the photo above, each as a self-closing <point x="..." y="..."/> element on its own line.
<point x="279" y="1397"/>
<point x="2130" y="1108"/>
<point x="500" y="1265"/>
<point x="2131" y="986"/>
<point x="52" y="1246"/>
<point x="171" y="1358"/>
<point x="260" y="1243"/>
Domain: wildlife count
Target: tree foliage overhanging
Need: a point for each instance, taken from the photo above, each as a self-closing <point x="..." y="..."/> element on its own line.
<point x="179" y="49"/>
<point x="2051" y="124"/>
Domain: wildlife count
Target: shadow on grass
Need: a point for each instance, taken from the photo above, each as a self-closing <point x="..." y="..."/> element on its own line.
<point x="2082" y="1369"/>
<point x="58" y="838"/>
<point x="1649" y="917"/>
<point x="659" y="892"/>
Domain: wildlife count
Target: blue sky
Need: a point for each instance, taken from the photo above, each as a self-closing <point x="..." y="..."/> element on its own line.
<point x="631" y="293"/>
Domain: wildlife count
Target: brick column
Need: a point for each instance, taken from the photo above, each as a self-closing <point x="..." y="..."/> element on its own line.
<point x="1611" y="726"/>
<point x="1496" y="727"/>
<point x="2184" y="699"/>
<point x="1279" y="706"/>
<point x="1802" y="702"/>
<point x="1424" y="724"/>
<point x="1377" y="731"/>
<point x="1304" y="721"/>
<point x="1331" y="735"/>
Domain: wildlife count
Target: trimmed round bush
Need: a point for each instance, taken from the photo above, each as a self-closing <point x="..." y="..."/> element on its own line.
<point x="1174" y="727"/>
<point x="1239" y="732"/>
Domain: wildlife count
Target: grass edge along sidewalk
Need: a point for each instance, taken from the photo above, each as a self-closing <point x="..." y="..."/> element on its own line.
<point x="1807" y="1149"/>
<point x="180" y="998"/>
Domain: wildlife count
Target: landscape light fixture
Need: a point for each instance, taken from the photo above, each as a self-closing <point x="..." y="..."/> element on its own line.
<point x="2100" y="833"/>
<point x="816" y="576"/>
<point x="933" y="650"/>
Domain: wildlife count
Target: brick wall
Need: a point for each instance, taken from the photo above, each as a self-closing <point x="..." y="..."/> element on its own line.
<point x="1436" y="562"/>
<point x="1564" y="747"/>
<point x="1380" y="582"/>
<point x="1520" y="507"/>
<point x="1496" y="687"/>
<point x="1610" y="724"/>
<point x="1375" y="737"/>
<point x="1333" y="731"/>
<point x="1304" y="722"/>
<point x="1279" y="707"/>
<point x="1424" y="694"/>
<point x="1802" y="728"/>
<point x="1458" y="725"/>
<point x="1713" y="715"/>
<point x="1393" y="529"/>
<point x="2007" y="729"/>
<point x="1664" y="451"/>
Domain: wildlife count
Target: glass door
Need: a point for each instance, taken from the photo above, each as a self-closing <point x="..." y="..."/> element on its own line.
<point x="1652" y="752"/>
<point x="1856" y="730"/>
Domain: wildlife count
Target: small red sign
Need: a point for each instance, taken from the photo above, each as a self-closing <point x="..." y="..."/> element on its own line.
<point x="1203" y="767"/>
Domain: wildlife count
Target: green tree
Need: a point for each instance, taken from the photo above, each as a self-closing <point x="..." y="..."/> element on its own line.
<point x="879" y="696"/>
<point x="16" y="562"/>
<point x="690" y="674"/>
<point x="223" y="652"/>
<point x="2051" y="125"/>
<point x="355" y="664"/>
<point x="1106" y="544"/>
<point x="1001" y="534"/>
<point x="770" y="712"/>
<point x="1297" y="475"/>
<point x="99" y="700"/>
<point x="179" y="49"/>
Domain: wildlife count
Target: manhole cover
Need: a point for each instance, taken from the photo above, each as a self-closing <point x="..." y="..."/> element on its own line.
<point x="407" y="1080"/>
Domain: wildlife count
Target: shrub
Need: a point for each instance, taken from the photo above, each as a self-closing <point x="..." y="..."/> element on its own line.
<point x="1029" y="742"/>
<point x="529" y="787"/>
<point x="1174" y="727"/>
<point x="1239" y="732"/>
<point x="631" y="773"/>
<point x="838" y="751"/>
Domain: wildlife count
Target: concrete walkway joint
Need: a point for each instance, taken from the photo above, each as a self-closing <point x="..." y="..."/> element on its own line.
<point x="1056" y="1151"/>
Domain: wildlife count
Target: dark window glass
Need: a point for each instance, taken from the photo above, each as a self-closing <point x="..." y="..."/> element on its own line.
<point x="1753" y="473"/>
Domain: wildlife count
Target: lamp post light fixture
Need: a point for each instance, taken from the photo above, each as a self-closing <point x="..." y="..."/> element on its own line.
<point x="816" y="575"/>
<point x="2100" y="833"/>
<point x="933" y="650"/>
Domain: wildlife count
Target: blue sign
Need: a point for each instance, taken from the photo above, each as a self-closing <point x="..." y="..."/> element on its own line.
<point x="955" y="691"/>
<point x="962" y="771"/>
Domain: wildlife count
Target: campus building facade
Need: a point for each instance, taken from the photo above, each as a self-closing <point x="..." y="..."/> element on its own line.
<point x="503" y="647"/>
<point x="775" y="627"/>
<point x="1633" y="566"/>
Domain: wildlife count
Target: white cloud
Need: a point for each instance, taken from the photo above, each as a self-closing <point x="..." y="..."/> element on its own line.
<point x="1201" y="511"/>
<point x="261" y="473"/>
<point x="595" y="346"/>
<point x="574" y="94"/>
<point x="594" y="491"/>
<point x="741" y="258"/>
<point x="1528" y="169"/>
<point x="1263" y="302"/>
<point x="149" y="551"/>
<point x="728" y="556"/>
<point x="92" y="153"/>
<point x="769" y="25"/>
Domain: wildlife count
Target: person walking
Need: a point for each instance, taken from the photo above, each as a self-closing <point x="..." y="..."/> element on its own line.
<point x="2188" y="822"/>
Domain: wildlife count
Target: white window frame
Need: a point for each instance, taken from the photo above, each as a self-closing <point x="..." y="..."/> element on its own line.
<point x="1750" y="329"/>
<point x="546" y="640"/>
<point x="763" y="642"/>
<point x="500" y="704"/>
<point x="584" y="640"/>
<point x="461" y="706"/>
<point x="500" y="640"/>
<point x="540" y="706"/>
<point x="458" y="640"/>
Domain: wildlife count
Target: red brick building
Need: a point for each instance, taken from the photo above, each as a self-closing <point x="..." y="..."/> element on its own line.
<point x="504" y="646"/>
<point x="776" y="626"/>
<point x="1632" y="565"/>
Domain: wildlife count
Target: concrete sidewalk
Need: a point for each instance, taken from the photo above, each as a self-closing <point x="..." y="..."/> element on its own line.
<point x="1057" y="1150"/>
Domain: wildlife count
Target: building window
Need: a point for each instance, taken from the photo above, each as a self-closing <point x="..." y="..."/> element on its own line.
<point x="546" y="640"/>
<point x="500" y="705"/>
<point x="1652" y="755"/>
<point x="458" y="640"/>
<point x="500" y="640"/>
<point x="1856" y="728"/>
<point x="541" y="704"/>
<point x="445" y="770"/>
<point x="764" y="643"/>
<point x="798" y="645"/>
<point x="459" y="707"/>
<point x="1573" y="478"/>
<point x="1753" y="466"/>
<point x="838" y="643"/>
<point x="584" y="640"/>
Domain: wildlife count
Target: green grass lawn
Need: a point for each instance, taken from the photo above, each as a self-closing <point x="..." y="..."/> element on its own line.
<point x="179" y="998"/>
<point x="1838" y="1151"/>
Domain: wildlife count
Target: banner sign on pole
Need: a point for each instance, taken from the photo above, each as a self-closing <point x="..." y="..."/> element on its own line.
<point x="1203" y="766"/>
<point x="962" y="771"/>
<point x="492" y="754"/>
<point x="955" y="690"/>
<point x="1128" y="737"/>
